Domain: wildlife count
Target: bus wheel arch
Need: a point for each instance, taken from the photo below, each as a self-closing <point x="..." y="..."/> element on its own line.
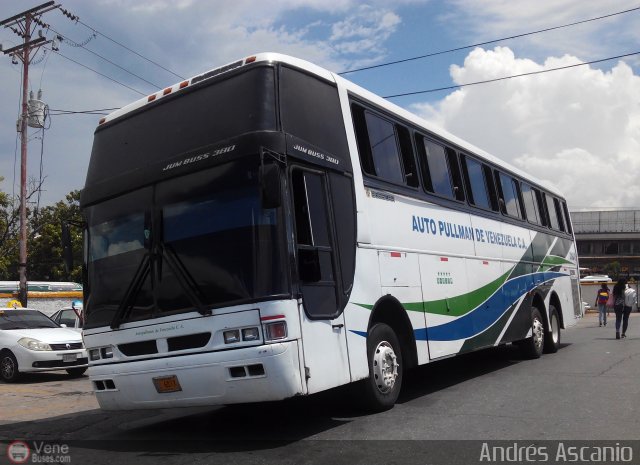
<point x="389" y="310"/>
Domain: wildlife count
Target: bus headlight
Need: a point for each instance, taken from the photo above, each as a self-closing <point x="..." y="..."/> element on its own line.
<point x="100" y="352"/>
<point x="231" y="336"/>
<point x="250" y="334"/>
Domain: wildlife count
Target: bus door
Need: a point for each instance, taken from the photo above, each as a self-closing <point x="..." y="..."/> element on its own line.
<point x="322" y="321"/>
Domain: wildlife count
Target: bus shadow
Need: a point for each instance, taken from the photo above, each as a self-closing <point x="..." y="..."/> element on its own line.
<point x="250" y="427"/>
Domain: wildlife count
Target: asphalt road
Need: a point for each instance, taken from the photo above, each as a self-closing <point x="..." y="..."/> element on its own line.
<point x="589" y="390"/>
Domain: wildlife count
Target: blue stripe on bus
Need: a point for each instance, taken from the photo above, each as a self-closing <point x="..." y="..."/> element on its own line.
<point x="486" y="314"/>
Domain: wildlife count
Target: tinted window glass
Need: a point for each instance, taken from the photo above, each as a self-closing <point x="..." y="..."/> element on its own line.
<point x="310" y="109"/>
<point x="559" y="214"/>
<point x="222" y="108"/>
<point x="551" y="210"/>
<point x="510" y="195"/>
<point x="384" y="148"/>
<point x="530" y="204"/>
<point x="477" y="183"/>
<point x="438" y="168"/>
<point x="567" y="217"/>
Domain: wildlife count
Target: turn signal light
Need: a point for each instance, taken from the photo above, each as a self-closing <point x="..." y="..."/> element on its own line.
<point x="274" y="331"/>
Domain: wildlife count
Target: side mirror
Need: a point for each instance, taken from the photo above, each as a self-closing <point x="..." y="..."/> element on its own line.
<point x="271" y="186"/>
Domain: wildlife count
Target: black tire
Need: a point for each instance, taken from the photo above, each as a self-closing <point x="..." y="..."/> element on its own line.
<point x="552" y="336"/>
<point x="380" y="391"/>
<point x="9" y="368"/>
<point x="76" y="372"/>
<point x="533" y="347"/>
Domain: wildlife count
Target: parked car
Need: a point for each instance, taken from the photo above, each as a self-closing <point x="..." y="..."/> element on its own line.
<point x="31" y="342"/>
<point x="69" y="317"/>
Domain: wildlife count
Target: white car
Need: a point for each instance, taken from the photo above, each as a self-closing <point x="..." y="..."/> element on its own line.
<point x="69" y="317"/>
<point x="31" y="342"/>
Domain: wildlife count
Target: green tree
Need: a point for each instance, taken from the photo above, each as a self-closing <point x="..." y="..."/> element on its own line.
<point x="44" y="244"/>
<point x="613" y="270"/>
<point x="8" y="236"/>
<point x="45" y="248"/>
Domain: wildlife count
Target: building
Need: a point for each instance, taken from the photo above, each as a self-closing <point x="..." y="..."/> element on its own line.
<point x="608" y="242"/>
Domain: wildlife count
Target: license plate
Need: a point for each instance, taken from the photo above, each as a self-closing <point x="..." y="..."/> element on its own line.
<point x="70" y="357"/>
<point x="166" y="384"/>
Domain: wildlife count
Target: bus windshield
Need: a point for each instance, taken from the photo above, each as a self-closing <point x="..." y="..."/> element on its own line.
<point x="200" y="240"/>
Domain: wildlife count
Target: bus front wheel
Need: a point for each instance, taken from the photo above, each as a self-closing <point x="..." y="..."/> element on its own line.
<point x="382" y="388"/>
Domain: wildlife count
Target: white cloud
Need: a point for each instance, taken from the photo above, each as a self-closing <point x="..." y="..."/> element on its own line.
<point x="491" y="19"/>
<point x="578" y="129"/>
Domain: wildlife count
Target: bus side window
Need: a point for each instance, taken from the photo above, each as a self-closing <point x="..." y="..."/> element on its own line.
<point x="441" y="170"/>
<point x="531" y="204"/>
<point x="566" y="216"/>
<point x="552" y="215"/>
<point x="541" y="208"/>
<point x="476" y="182"/>
<point x="385" y="148"/>
<point x="559" y="214"/>
<point x="508" y="190"/>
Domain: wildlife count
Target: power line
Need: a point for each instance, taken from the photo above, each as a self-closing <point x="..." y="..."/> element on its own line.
<point x="511" y="77"/>
<point x="457" y="49"/>
<point x="97" y="72"/>
<point x="99" y="111"/>
<point x="128" y="49"/>
<point x="74" y="43"/>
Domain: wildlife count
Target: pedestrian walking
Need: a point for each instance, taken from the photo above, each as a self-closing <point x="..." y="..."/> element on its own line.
<point x="624" y="298"/>
<point x="602" y="297"/>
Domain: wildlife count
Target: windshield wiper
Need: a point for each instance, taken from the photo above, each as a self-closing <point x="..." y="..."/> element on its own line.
<point x="186" y="281"/>
<point x="136" y="284"/>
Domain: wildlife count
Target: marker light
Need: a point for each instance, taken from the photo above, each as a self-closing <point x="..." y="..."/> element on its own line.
<point x="166" y="91"/>
<point x="249" y="60"/>
<point x="184" y="84"/>
<point x="151" y="98"/>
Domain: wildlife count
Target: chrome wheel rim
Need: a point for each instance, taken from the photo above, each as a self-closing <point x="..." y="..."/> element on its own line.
<point x="385" y="367"/>
<point x="538" y="333"/>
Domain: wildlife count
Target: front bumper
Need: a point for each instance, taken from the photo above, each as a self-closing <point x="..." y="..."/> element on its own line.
<point x="32" y="361"/>
<point x="252" y="374"/>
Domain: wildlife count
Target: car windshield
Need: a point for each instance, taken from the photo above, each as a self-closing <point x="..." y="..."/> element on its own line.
<point x="188" y="243"/>
<point x="24" y="319"/>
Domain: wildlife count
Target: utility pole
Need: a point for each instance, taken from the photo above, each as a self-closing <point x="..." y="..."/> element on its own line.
<point x="23" y="25"/>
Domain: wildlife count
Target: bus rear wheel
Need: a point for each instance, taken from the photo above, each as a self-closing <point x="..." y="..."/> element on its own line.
<point x="381" y="389"/>
<point x="552" y="337"/>
<point x="533" y="346"/>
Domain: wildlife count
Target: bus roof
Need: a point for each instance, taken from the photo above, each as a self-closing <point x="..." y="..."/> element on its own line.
<point x="349" y="86"/>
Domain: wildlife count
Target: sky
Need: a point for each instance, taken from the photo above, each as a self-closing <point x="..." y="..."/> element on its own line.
<point x="577" y="129"/>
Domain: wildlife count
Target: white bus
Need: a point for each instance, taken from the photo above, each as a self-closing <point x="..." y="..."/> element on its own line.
<point x="269" y="229"/>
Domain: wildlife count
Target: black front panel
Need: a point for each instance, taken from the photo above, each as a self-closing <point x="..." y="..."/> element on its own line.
<point x="193" y="118"/>
<point x="310" y="110"/>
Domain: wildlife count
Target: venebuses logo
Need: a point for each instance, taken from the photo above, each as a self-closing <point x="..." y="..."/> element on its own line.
<point x="18" y="452"/>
